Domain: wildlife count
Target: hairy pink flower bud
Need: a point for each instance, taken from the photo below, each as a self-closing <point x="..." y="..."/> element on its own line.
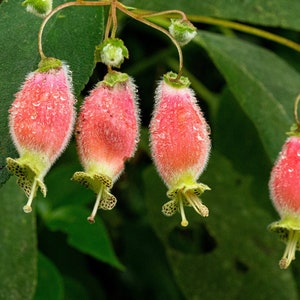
<point x="180" y="145"/>
<point x="107" y="135"/>
<point x="284" y="188"/>
<point x="41" y="122"/>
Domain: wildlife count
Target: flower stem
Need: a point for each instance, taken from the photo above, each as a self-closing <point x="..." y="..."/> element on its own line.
<point x="114" y="18"/>
<point x="141" y="18"/>
<point x="91" y="218"/>
<point x="184" y="221"/>
<point x="146" y="14"/>
<point x="27" y="208"/>
<point x="296" y="112"/>
<point x="57" y="9"/>
<point x="289" y="253"/>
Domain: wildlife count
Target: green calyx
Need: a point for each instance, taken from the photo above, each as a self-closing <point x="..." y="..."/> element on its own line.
<point x="185" y="194"/>
<point x="93" y="181"/>
<point x="294" y="130"/>
<point x="172" y="79"/>
<point x="49" y="63"/>
<point x="100" y="184"/>
<point x="29" y="176"/>
<point x="288" y="229"/>
<point x="114" y="77"/>
<point x="26" y="174"/>
<point x="111" y="52"/>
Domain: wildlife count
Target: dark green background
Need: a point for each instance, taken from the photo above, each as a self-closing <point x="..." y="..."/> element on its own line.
<point x="246" y="87"/>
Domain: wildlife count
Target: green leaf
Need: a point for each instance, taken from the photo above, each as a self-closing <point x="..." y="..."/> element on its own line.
<point x="217" y="257"/>
<point x="277" y="13"/>
<point x="88" y="238"/>
<point x="65" y="37"/>
<point x="18" y="254"/>
<point x="74" y="289"/>
<point x="264" y="85"/>
<point x="50" y="282"/>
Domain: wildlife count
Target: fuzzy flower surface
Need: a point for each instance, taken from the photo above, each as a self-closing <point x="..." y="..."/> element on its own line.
<point x="180" y="145"/>
<point x="41" y="121"/>
<point x="284" y="186"/>
<point x="107" y="133"/>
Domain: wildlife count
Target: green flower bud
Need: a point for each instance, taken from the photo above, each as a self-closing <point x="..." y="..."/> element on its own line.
<point x="182" y="30"/>
<point x="111" y="52"/>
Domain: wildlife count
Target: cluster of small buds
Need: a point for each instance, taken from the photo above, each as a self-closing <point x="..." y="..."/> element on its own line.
<point x="41" y="123"/>
<point x="180" y="145"/>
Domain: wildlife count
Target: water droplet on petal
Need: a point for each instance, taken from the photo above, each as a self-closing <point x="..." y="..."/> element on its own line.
<point x="36" y="103"/>
<point x="161" y="136"/>
<point x="199" y="137"/>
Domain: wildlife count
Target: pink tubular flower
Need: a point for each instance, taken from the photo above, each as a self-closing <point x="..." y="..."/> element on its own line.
<point x="107" y="135"/>
<point x="284" y="188"/>
<point x="41" y="122"/>
<point x="180" y="145"/>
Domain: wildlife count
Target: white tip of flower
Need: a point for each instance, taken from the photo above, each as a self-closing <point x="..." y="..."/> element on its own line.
<point x="291" y="246"/>
<point x="204" y="210"/>
<point x="184" y="223"/>
<point x="196" y="203"/>
<point x="27" y="209"/>
<point x="91" y="219"/>
<point x="284" y="263"/>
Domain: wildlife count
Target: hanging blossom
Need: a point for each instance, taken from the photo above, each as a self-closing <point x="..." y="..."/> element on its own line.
<point x="284" y="188"/>
<point x="41" y="121"/>
<point x="107" y="133"/>
<point x="180" y="145"/>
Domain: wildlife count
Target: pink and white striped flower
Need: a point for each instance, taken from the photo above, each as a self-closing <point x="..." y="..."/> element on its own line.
<point x="180" y="145"/>
<point x="41" y="122"/>
<point x="107" y="133"/>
